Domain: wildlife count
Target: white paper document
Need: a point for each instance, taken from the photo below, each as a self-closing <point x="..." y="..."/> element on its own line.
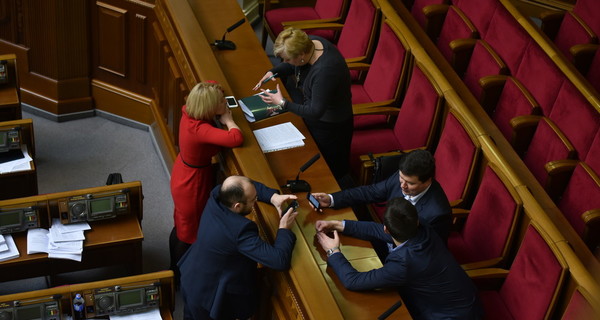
<point x="37" y="241"/>
<point x="153" y="314"/>
<point x="279" y="137"/>
<point x="12" y="251"/>
<point x="19" y="164"/>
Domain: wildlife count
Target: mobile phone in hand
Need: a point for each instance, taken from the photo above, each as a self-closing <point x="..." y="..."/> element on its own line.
<point x="294" y="204"/>
<point x="313" y="200"/>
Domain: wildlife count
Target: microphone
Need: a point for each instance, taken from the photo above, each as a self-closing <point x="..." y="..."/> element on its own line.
<point x="301" y="185"/>
<point x="391" y="310"/>
<point x="226" y="44"/>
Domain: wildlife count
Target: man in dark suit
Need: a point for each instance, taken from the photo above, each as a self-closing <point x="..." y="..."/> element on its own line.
<point x="430" y="281"/>
<point x="414" y="182"/>
<point x="218" y="272"/>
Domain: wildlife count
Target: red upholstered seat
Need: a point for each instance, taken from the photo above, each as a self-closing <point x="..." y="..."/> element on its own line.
<point x="579" y="307"/>
<point x="580" y="203"/>
<point x="486" y="235"/>
<point x="323" y="9"/>
<point x="506" y="36"/>
<point x="456" y="157"/>
<point x="573" y="30"/>
<point x="484" y="62"/>
<point x="540" y="76"/>
<point x="576" y="118"/>
<point x="548" y="144"/>
<point x="593" y="156"/>
<point x="358" y="32"/>
<point x="415" y="125"/>
<point x="385" y="78"/>
<point x="510" y="110"/>
<point x="479" y="12"/>
<point x="533" y="281"/>
<point x="456" y="26"/>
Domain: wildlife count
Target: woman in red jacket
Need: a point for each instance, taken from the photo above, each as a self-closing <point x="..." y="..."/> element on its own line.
<point x="192" y="177"/>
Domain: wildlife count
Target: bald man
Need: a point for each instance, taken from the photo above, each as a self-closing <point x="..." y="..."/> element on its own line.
<point x="218" y="272"/>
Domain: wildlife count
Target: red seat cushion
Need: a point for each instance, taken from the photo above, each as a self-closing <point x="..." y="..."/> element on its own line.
<point x="576" y="118"/>
<point x="493" y="306"/>
<point x="454" y="158"/>
<point x="545" y="146"/>
<point x="486" y="231"/>
<point x="275" y="18"/>
<point x="512" y="103"/>
<point x="507" y="37"/>
<point x="479" y="12"/>
<point x="582" y="194"/>
<point x="579" y="308"/>
<point x="481" y="64"/>
<point x="570" y="33"/>
<point x="593" y="156"/>
<point x="455" y="27"/>
<point x="533" y="279"/>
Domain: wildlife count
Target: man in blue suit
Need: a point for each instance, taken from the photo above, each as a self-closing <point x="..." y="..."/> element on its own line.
<point x="218" y="272"/>
<point x="414" y="182"/>
<point x="430" y="281"/>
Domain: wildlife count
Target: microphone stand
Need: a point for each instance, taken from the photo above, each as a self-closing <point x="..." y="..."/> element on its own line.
<point x="227" y="44"/>
<point x="298" y="185"/>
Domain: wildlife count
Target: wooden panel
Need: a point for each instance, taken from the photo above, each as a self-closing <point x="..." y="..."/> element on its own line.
<point x="122" y="103"/>
<point x="112" y="39"/>
<point x="9" y="20"/>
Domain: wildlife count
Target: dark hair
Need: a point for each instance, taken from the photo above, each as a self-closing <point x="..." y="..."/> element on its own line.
<point x="401" y="219"/>
<point x="231" y="194"/>
<point x="418" y="163"/>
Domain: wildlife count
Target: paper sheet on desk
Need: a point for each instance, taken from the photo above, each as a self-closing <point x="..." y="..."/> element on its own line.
<point x="279" y="137"/>
<point x="153" y="314"/>
<point x="19" y="164"/>
<point x="12" y="252"/>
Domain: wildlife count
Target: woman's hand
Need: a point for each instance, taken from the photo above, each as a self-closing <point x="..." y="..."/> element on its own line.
<point x="227" y="119"/>
<point x="271" y="98"/>
<point x="260" y="82"/>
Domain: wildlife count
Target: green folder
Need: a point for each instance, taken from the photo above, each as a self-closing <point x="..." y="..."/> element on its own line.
<point x="256" y="109"/>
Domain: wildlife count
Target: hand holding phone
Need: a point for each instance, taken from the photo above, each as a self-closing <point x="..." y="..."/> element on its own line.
<point x="293" y="205"/>
<point x="313" y="201"/>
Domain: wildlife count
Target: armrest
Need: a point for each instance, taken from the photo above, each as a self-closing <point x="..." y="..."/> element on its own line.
<point x="492" y="87"/>
<point x="583" y="54"/>
<point x="523" y="129"/>
<point x="456" y="203"/>
<point x="366" y="169"/>
<point x="488" y="273"/>
<point x="435" y="14"/>
<point x="559" y="173"/>
<point x="360" y="66"/>
<point x="482" y="264"/>
<point x="355" y="60"/>
<point x="462" y="49"/>
<point x="313" y="21"/>
<point x="551" y="21"/>
<point x="381" y="107"/>
<point x="306" y="25"/>
<point x="459" y="216"/>
<point x="591" y="234"/>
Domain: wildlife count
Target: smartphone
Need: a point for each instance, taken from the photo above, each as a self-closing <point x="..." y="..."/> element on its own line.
<point x="231" y="101"/>
<point x="313" y="200"/>
<point x="294" y="204"/>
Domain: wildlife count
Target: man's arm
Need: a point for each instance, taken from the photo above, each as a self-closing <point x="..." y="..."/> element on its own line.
<point x="373" y="193"/>
<point x="392" y="274"/>
<point x="277" y="256"/>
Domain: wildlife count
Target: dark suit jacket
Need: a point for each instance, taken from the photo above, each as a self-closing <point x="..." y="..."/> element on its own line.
<point x="433" y="208"/>
<point x="430" y="281"/>
<point x="218" y="272"/>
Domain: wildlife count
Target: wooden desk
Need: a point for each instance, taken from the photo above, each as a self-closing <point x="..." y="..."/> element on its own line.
<point x="20" y="183"/>
<point x="65" y="294"/>
<point x="10" y="101"/>
<point x="308" y="290"/>
<point x="110" y="242"/>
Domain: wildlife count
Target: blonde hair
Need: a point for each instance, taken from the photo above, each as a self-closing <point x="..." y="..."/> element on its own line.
<point x="204" y="100"/>
<point x="292" y="42"/>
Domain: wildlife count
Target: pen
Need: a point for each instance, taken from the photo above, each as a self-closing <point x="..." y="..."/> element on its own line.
<point x="269" y="78"/>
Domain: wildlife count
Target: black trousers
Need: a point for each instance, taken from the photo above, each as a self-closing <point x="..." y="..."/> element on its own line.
<point x="177" y="249"/>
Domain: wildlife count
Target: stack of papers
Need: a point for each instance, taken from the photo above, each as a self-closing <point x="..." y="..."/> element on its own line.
<point x="279" y="137"/>
<point x="60" y="242"/>
<point x="8" y="248"/>
<point x="21" y="164"/>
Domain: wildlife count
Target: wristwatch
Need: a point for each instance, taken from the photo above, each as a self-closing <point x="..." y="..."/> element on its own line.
<point x="282" y="102"/>
<point x="332" y="251"/>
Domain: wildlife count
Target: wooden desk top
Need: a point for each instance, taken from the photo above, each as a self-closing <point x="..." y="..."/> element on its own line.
<point x="114" y="232"/>
<point x="313" y="282"/>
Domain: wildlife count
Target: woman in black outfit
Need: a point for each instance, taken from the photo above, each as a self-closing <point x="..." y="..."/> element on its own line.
<point x="318" y="80"/>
